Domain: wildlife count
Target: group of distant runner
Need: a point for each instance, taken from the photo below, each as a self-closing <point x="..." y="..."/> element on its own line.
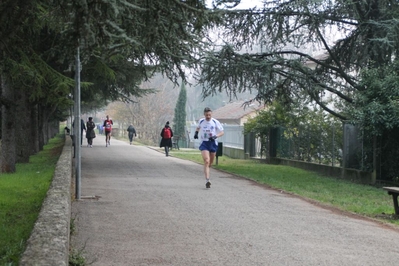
<point x="207" y="131"/>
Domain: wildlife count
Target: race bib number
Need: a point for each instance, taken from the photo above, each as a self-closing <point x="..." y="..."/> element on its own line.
<point x="207" y="134"/>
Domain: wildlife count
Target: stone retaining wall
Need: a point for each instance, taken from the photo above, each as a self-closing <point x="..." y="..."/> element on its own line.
<point x="49" y="240"/>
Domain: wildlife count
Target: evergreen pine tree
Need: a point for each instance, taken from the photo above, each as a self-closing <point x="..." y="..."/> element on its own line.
<point x="179" y="120"/>
<point x="121" y="43"/>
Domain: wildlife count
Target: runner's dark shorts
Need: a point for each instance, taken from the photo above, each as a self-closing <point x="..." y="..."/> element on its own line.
<point x="210" y="146"/>
<point x="107" y="133"/>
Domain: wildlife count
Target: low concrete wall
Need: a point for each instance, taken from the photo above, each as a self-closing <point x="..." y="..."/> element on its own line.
<point x="353" y="175"/>
<point x="234" y="152"/>
<point x="49" y="240"/>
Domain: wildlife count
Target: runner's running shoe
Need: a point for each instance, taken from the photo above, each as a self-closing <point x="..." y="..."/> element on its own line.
<point x="208" y="184"/>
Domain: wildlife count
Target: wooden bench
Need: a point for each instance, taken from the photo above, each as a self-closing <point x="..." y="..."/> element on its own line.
<point x="394" y="191"/>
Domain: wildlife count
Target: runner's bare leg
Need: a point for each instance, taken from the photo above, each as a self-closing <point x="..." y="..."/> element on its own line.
<point x="206" y="156"/>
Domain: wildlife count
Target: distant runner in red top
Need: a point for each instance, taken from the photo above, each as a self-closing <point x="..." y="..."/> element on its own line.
<point x="107" y="129"/>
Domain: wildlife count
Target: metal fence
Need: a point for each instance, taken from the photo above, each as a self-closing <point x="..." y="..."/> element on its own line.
<point x="309" y="144"/>
<point x="305" y="143"/>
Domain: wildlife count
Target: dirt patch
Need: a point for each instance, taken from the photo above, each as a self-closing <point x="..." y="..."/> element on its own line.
<point x="56" y="151"/>
<point x="388" y="217"/>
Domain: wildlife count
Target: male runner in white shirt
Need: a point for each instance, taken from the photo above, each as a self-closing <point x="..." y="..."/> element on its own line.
<point x="208" y="129"/>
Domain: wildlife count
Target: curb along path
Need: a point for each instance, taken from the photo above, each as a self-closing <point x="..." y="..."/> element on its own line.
<point x="48" y="243"/>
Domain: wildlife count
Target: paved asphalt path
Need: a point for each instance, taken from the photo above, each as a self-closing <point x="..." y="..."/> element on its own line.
<point x="155" y="210"/>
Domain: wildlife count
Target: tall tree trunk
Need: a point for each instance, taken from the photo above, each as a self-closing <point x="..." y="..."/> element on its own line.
<point x="40" y="127"/>
<point x="46" y="125"/>
<point x="34" y="128"/>
<point x="45" y="114"/>
<point x="22" y="128"/>
<point x="8" y="153"/>
<point x="54" y="128"/>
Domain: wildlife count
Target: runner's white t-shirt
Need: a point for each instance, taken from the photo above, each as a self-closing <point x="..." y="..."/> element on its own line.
<point x="208" y="128"/>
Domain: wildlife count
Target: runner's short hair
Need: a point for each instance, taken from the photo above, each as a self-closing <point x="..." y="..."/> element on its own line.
<point x="207" y="109"/>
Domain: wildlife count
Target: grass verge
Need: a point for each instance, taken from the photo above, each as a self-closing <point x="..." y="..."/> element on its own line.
<point x="21" y="197"/>
<point x="364" y="200"/>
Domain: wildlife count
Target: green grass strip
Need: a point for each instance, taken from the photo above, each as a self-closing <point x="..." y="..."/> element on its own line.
<point x="21" y="197"/>
<point x="361" y="199"/>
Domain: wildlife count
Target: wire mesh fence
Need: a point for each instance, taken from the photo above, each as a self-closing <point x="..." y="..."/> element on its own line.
<point x="305" y="143"/>
<point x="315" y="144"/>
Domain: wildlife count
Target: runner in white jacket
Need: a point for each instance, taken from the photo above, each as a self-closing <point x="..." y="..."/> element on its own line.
<point x="208" y="130"/>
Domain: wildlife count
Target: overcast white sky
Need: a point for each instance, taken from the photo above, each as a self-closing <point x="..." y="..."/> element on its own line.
<point x="244" y="3"/>
<point x="248" y="4"/>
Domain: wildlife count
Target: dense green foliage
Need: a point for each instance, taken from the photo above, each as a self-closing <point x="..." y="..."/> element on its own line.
<point x="121" y="44"/>
<point x="377" y="107"/>
<point x="302" y="49"/>
<point x="292" y="51"/>
<point x="298" y="133"/>
<point x="376" y="112"/>
<point x="333" y="54"/>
